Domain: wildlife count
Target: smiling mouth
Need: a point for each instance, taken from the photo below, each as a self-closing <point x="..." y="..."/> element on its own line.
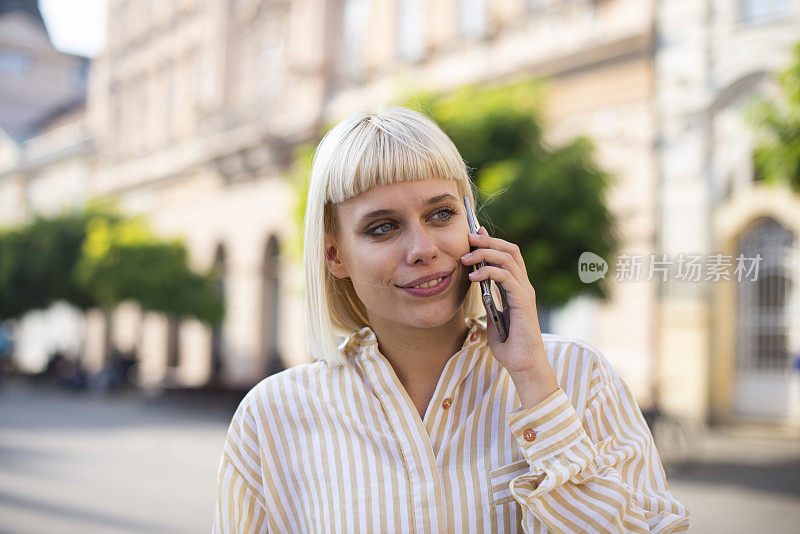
<point x="431" y="287"/>
<point x="429" y="283"/>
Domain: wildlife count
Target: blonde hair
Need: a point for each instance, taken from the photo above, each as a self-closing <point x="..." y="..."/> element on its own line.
<point x="361" y="151"/>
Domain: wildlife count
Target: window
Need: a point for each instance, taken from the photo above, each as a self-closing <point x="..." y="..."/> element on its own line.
<point x="116" y="112"/>
<point x="765" y="307"/>
<point x="170" y="101"/>
<point x="759" y="11"/>
<point x="472" y="18"/>
<point x="758" y="171"/>
<point x="173" y="341"/>
<point x="355" y="21"/>
<point x="122" y="20"/>
<point x="411" y="29"/>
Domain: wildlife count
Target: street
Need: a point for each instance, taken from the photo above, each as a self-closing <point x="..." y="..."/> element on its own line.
<point x="84" y="462"/>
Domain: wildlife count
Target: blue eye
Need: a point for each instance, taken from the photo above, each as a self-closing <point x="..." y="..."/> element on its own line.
<point x="447" y="214"/>
<point x="372" y="231"/>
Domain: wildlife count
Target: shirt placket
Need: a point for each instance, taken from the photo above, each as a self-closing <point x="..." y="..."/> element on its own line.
<point x="446" y="394"/>
<point x="429" y="511"/>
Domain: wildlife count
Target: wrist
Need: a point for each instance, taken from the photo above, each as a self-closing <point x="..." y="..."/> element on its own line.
<point x="534" y="386"/>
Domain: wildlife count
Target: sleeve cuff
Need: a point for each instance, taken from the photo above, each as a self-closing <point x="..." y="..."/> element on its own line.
<point x="548" y="428"/>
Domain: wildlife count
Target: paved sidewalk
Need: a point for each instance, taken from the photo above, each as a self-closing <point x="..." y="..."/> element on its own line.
<point x="82" y="462"/>
<point x="742" y="480"/>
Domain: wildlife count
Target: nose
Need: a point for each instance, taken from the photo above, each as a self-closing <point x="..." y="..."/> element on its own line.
<point x="421" y="246"/>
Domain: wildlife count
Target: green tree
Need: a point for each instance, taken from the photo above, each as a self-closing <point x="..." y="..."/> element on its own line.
<point x="37" y="264"/>
<point x="122" y="260"/>
<point x="97" y="258"/>
<point x="777" y="156"/>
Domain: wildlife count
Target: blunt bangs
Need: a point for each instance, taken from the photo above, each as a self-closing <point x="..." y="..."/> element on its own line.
<point x="385" y="149"/>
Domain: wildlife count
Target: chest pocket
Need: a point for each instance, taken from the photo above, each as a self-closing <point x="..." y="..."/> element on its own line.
<point x="501" y="477"/>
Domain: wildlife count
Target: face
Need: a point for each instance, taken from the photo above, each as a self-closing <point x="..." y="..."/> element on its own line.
<point x="391" y="238"/>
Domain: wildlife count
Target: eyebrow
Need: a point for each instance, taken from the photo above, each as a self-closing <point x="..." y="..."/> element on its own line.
<point x="379" y="213"/>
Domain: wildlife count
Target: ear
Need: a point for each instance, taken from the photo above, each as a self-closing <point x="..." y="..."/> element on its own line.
<point x="333" y="260"/>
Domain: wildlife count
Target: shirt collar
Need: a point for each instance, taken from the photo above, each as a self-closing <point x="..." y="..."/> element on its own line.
<point x="354" y="345"/>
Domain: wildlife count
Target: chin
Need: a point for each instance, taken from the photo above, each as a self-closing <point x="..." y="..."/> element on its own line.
<point x="430" y="318"/>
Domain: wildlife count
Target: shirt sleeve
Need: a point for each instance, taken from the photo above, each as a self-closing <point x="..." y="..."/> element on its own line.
<point x="598" y="472"/>
<point x="241" y="506"/>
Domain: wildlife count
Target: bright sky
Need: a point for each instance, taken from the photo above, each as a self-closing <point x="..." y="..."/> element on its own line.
<point x="76" y="26"/>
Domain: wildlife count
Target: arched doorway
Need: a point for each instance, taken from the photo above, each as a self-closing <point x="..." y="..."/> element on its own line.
<point x="173" y="342"/>
<point x="217" y="346"/>
<point x="270" y="308"/>
<point x="766" y="386"/>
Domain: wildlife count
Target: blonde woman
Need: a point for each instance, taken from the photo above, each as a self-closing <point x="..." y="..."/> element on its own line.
<point x="421" y="420"/>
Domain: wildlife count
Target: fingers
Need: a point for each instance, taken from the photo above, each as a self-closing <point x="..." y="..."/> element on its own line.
<point x="497" y="274"/>
<point x="497" y="258"/>
<point x="483" y="240"/>
<point x="517" y="295"/>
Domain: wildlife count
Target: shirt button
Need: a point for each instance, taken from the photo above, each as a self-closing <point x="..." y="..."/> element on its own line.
<point x="473" y="336"/>
<point x="530" y="434"/>
<point x="447" y="402"/>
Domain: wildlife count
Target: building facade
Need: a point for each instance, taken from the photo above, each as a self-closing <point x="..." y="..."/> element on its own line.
<point x="45" y="157"/>
<point x="728" y="349"/>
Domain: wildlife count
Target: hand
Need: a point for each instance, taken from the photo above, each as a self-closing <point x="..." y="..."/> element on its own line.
<point x="523" y="353"/>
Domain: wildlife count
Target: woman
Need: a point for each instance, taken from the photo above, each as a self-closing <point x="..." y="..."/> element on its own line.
<point x="421" y="420"/>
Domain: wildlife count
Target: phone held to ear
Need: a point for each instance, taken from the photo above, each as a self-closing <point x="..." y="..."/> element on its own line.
<point x="499" y="320"/>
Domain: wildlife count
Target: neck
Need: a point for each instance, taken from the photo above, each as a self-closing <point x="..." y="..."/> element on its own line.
<point x="418" y="355"/>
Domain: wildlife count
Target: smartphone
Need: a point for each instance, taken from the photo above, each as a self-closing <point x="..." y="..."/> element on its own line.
<point x="499" y="320"/>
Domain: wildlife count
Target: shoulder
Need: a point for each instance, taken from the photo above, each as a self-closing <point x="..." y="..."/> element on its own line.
<point x="266" y="410"/>
<point x="271" y="393"/>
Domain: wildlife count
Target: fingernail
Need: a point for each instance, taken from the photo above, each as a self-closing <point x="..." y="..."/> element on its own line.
<point x="467" y="255"/>
<point x="473" y="274"/>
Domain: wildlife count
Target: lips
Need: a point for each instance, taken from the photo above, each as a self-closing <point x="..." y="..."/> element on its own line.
<point x="430" y="283"/>
<point x="428" y="280"/>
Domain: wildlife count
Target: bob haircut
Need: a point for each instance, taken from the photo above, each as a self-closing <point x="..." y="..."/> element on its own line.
<point x="362" y="151"/>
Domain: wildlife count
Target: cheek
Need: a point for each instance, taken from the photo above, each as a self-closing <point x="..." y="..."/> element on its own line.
<point x="375" y="266"/>
<point x="457" y="243"/>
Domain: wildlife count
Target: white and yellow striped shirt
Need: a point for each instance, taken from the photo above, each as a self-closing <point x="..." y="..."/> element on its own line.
<point x="319" y="448"/>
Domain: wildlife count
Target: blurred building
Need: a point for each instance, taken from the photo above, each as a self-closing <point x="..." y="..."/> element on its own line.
<point x="726" y="349"/>
<point x="45" y="156"/>
<point x="196" y="107"/>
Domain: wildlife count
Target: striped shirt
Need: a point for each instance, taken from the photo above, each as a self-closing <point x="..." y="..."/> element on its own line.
<point x="320" y="448"/>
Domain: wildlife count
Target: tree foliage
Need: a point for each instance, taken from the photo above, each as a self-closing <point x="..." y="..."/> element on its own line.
<point x="97" y="258"/>
<point x="37" y="264"/>
<point x="777" y="156"/>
